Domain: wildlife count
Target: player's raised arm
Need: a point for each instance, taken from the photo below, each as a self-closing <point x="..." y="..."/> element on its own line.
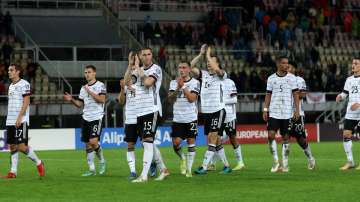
<point x="76" y="102"/>
<point x="194" y="70"/>
<point x="214" y="63"/>
<point x="131" y="63"/>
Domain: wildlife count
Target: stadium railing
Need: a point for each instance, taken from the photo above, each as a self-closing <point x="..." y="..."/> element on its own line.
<point x="52" y="4"/>
<point x="62" y="81"/>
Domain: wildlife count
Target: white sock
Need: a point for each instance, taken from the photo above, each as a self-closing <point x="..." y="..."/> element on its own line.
<point x="32" y="156"/>
<point x="221" y="152"/>
<point x="14" y="159"/>
<point x="285" y="153"/>
<point x="190" y="157"/>
<point x="100" y="154"/>
<point x="208" y="156"/>
<point x="130" y="156"/>
<point x="348" y="149"/>
<point x="90" y="154"/>
<point x="238" y="153"/>
<point x="147" y="158"/>
<point x="158" y="159"/>
<point x="273" y="150"/>
<point x="308" y="153"/>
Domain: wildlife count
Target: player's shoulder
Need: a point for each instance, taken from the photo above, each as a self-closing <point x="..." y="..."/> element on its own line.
<point x="272" y="76"/>
<point x="350" y="78"/>
<point x="23" y="82"/>
<point x="229" y="81"/>
<point x="194" y="81"/>
<point x="300" y="79"/>
<point x="99" y="83"/>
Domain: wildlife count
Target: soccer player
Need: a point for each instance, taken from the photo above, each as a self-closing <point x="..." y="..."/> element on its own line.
<point x="128" y="98"/>
<point x="212" y="106"/>
<point x="149" y="112"/>
<point x="298" y="128"/>
<point x="281" y="95"/>
<point x="183" y="95"/>
<point x="352" y="116"/>
<point x="92" y="99"/>
<point x="17" y="122"/>
<point x="230" y="98"/>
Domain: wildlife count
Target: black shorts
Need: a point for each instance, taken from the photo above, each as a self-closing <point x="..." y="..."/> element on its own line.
<point x="131" y="132"/>
<point x="91" y="129"/>
<point x="184" y="130"/>
<point x="214" y="122"/>
<point x="352" y="125"/>
<point x="279" y="124"/>
<point x="297" y="128"/>
<point x="230" y="128"/>
<point x="17" y="135"/>
<point x="148" y="124"/>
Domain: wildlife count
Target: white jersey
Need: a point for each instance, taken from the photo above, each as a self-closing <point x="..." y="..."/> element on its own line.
<point x="17" y="92"/>
<point x="149" y="97"/>
<point x="282" y="100"/>
<point x="230" y="98"/>
<point x="132" y="101"/>
<point x="301" y="84"/>
<point x="92" y="110"/>
<point x="352" y="88"/>
<point x="211" y="95"/>
<point x="183" y="110"/>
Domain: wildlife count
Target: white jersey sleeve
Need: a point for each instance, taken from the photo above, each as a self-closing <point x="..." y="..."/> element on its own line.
<point x="173" y="85"/>
<point x="302" y="87"/>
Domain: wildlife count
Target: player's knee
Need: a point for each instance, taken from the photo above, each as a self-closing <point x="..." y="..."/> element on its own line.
<point x="347" y="134"/>
<point x="13" y="147"/>
<point x="22" y="148"/>
<point x="131" y="146"/>
<point x="94" y="142"/>
<point x="271" y="135"/>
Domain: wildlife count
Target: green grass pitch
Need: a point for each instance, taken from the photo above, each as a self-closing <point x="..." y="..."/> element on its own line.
<point x="64" y="183"/>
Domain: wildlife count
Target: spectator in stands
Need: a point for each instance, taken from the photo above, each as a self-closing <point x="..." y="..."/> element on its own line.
<point x="8" y="23"/>
<point x="7" y="51"/>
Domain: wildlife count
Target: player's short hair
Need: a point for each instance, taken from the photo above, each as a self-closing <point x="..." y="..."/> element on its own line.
<point x="279" y="58"/>
<point x="357" y="57"/>
<point x="91" y="67"/>
<point x="145" y="48"/>
<point x="17" y="67"/>
<point x="186" y="62"/>
<point x="217" y="60"/>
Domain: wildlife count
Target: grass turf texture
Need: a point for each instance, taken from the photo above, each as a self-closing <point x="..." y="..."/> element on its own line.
<point x="64" y="183"/>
